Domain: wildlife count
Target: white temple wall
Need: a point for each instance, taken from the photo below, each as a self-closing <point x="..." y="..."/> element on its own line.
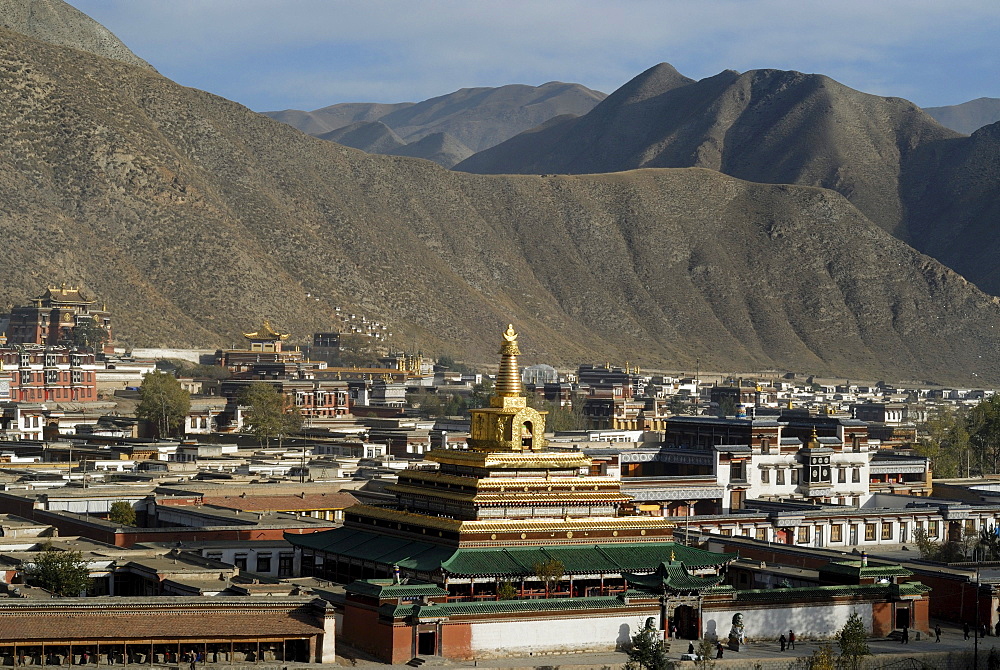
<point x="554" y="635"/>
<point x="822" y="620"/>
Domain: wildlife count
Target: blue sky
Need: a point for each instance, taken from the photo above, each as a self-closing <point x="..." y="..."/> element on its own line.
<point x="306" y="54"/>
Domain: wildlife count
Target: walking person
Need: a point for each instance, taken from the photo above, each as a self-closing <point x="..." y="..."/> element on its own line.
<point x="690" y="647"/>
<point x="937" y="632"/>
<point x="718" y="652"/>
<point x="906" y="635"/>
<point x="782" y="641"/>
<point x="965" y="629"/>
<point x="791" y="639"/>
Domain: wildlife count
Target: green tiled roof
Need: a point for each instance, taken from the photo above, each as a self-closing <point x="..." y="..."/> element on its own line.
<point x="819" y="593"/>
<point x="854" y="569"/>
<point x="506" y="606"/>
<point x="386" y="588"/>
<point x="504" y="561"/>
<point x="579" y="559"/>
<point x="673" y="577"/>
<point x="385" y="549"/>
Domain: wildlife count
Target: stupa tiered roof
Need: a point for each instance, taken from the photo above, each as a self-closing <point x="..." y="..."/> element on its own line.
<point x="505" y="504"/>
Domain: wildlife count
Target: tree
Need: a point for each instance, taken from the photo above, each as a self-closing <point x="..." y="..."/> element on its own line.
<point x="560" y="418"/>
<point x="945" y="440"/>
<point x="481" y="393"/>
<point x="63" y="573"/>
<point x="268" y="412"/>
<point x="506" y="591"/>
<point x="988" y="544"/>
<point x="927" y="547"/>
<point x="822" y="658"/>
<point x="853" y="642"/>
<point x="163" y="402"/>
<point x="122" y="513"/>
<point x="984" y="434"/>
<point x="549" y="572"/>
<point x="648" y="651"/>
<point x="88" y="335"/>
<point x="727" y="407"/>
<point x="706" y="654"/>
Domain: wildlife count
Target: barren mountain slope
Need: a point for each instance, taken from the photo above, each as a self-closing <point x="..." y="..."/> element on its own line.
<point x="195" y="217"/>
<point x="56" y="22"/>
<point x="764" y="125"/>
<point x="952" y="190"/>
<point x="476" y="117"/>
<point x="967" y="117"/>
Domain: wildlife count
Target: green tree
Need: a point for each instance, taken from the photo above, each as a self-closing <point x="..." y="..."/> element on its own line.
<point x="549" y="572"/>
<point x="200" y="371"/>
<point x="560" y="418"/>
<point x="89" y="335"/>
<point x="647" y="652"/>
<point x="853" y="642"/>
<point x="268" y="413"/>
<point x="706" y="654"/>
<point x="822" y="658"/>
<point x="506" y="591"/>
<point x="984" y="434"/>
<point x="945" y="440"/>
<point x="63" y="573"/>
<point x="481" y="393"/>
<point x="122" y="513"/>
<point x="163" y="402"/>
<point x="927" y="547"/>
<point x="357" y="350"/>
<point x="727" y="407"/>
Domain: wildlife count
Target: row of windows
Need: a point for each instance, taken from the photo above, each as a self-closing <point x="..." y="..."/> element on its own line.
<point x="793" y="476"/>
<point x="54" y="377"/>
<point x="286" y="562"/>
<point x="765" y="444"/>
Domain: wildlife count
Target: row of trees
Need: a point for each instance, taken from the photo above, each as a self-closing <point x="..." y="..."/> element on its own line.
<point x="963" y="442"/>
<point x="164" y="403"/>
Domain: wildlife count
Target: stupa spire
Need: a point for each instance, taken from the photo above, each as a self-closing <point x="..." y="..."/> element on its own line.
<point x="509" y="376"/>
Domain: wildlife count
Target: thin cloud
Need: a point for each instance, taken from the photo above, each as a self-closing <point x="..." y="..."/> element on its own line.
<point x="311" y="53"/>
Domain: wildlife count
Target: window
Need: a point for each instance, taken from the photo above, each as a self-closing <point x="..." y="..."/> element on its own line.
<point x="214" y="556"/>
<point x="779" y="477"/>
<point x="765" y="445"/>
<point x="765" y="476"/>
<point x="932" y="529"/>
<point x="857" y="501"/>
<point x="795" y="476"/>
<point x="886" y="530"/>
<point x="77" y="377"/>
<point x="803" y="535"/>
<point x="762" y="534"/>
<point x="726" y="532"/>
<point x="856" y="443"/>
<point x="870" y="532"/>
<point x="902" y="532"/>
<point x="746" y="531"/>
<point x="970" y="526"/>
<point x="263" y="562"/>
<point x="737" y="473"/>
<point x="836" y="533"/>
<point x="842" y="475"/>
<point x="856" y="475"/>
<point x="240" y="560"/>
<point x="286" y="564"/>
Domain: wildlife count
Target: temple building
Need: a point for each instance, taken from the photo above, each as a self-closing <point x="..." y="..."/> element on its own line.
<point x="53" y="318"/>
<point x="264" y="345"/>
<point x="504" y="527"/>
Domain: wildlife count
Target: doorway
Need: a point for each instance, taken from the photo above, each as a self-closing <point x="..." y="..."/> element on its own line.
<point x="427" y="643"/>
<point x="686" y="620"/>
<point x="903" y="617"/>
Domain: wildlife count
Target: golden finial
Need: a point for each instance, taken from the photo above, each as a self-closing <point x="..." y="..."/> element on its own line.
<point x="509" y="334"/>
<point x="672" y="556"/>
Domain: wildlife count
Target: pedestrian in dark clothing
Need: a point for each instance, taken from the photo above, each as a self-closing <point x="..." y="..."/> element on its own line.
<point x="906" y="635"/>
<point x="782" y="641"/>
<point x="791" y="639"/>
<point x="965" y="629"/>
<point x="718" y="653"/>
<point x="937" y="632"/>
<point x="673" y="632"/>
<point x="690" y="647"/>
<point x="982" y="631"/>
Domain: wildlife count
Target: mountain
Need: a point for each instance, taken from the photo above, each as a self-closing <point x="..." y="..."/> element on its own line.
<point x="194" y="217"/>
<point x="372" y="136"/>
<point x="324" y="120"/>
<point x="786" y="127"/>
<point x="475" y="118"/>
<point x="441" y="148"/>
<point x="56" y="22"/>
<point x="967" y="117"/>
<point x="375" y="137"/>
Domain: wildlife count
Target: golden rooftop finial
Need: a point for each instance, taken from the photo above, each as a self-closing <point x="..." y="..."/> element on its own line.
<point x="508" y="376"/>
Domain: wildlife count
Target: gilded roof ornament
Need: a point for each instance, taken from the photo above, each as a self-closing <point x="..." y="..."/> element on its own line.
<point x="266" y="332"/>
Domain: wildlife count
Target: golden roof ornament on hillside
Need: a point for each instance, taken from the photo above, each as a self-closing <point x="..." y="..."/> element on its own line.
<point x="266" y="332"/>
